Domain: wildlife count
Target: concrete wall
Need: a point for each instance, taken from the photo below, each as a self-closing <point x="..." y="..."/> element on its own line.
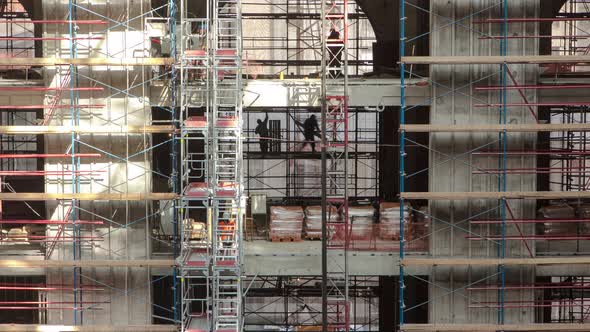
<point x="452" y="166"/>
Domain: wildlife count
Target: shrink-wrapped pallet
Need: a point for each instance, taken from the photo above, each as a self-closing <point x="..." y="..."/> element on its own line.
<point x="286" y="223"/>
<point x="313" y="221"/>
<point x="361" y="222"/>
<point x="389" y="220"/>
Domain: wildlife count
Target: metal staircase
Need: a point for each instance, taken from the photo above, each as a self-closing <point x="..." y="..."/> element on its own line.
<point x="210" y="263"/>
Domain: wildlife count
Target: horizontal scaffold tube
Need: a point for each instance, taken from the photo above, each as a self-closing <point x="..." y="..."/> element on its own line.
<point x="85" y="130"/>
<point x="86" y="61"/>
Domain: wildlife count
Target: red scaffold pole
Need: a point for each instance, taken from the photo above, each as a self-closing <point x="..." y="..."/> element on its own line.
<point x="49" y="222"/>
<point x="49" y="155"/>
<point x="78" y="22"/>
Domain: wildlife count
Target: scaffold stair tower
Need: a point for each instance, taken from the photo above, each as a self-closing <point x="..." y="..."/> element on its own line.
<point x="335" y="177"/>
<point x="212" y="183"/>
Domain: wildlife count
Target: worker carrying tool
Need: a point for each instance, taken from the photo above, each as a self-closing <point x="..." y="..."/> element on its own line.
<point x="262" y="131"/>
<point x="311" y="130"/>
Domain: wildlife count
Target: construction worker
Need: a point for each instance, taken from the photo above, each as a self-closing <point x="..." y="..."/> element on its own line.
<point x="262" y="131"/>
<point x="310" y="131"/>
<point x="335" y="48"/>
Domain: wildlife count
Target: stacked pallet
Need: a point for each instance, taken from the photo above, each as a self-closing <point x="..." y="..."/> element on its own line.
<point x="286" y="223"/>
<point x="313" y="221"/>
<point x="389" y="220"/>
<point x="361" y="222"/>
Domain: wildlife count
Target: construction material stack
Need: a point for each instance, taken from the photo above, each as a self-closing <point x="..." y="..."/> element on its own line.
<point x="361" y="222"/>
<point x="211" y="110"/>
<point x="313" y="221"/>
<point x="286" y="223"/>
<point x="389" y="220"/>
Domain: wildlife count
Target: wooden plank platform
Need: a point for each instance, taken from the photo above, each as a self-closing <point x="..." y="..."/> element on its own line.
<point x="493" y="327"/>
<point x="87" y="328"/>
<point x="447" y="261"/>
<point x="85" y="61"/>
<point x="19" y="263"/>
<point x="496" y="195"/>
<point x="475" y="128"/>
<point x="474" y="60"/>
<point x="40" y="130"/>
<point x="87" y="196"/>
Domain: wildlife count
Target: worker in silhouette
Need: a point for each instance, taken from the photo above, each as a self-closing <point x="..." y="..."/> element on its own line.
<point x="310" y="131"/>
<point x="335" y="48"/>
<point x="262" y="131"/>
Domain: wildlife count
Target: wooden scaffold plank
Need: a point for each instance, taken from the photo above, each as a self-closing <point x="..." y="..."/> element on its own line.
<point x="449" y="261"/>
<point x="40" y="130"/>
<point x="87" y="196"/>
<point x="85" y="61"/>
<point x="86" y="328"/>
<point x="475" y="60"/>
<point x="494" y="327"/>
<point x="20" y="263"/>
<point x="496" y="195"/>
<point x="475" y="128"/>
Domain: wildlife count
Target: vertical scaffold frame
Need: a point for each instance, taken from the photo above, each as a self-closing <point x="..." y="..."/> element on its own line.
<point x="335" y="178"/>
<point x="502" y="208"/>
<point x="212" y="181"/>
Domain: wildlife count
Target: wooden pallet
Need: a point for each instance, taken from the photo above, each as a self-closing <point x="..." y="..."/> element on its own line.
<point x="285" y="239"/>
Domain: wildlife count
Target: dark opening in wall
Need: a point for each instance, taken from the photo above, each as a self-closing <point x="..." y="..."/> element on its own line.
<point x="163" y="301"/>
<point x="416" y="157"/>
<point x="14" y="292"/>
<point x="416" y="302"/>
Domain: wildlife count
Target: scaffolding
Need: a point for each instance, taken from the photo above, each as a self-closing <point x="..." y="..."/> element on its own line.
<point x="510" y="155"/>
<point x="212" y="205"/>
<point x="335" y="175"/>
<point x="284" y="37"/>
<point x="86" y="139"/>
<point x="290" y="172"/>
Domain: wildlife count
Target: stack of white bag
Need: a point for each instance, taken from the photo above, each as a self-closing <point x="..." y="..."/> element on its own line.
<point x="361" y="220"/>
<point x="389" y="220"/>
<point x="313" y="221"/>
<point x="286" y="222"/>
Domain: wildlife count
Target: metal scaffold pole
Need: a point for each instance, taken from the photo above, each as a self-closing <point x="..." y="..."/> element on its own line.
<point x="212" y="206"/>
<point x="335" y="183"/>
<point x="75" y="166"/>
<point x="173" y="10"/>
<point x="402" y="160"/>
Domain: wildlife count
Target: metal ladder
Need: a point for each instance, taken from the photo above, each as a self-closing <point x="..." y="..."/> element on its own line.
<point x="211" y="86"/>
<point x="194" y="260"/>
<point x="228" y="209"/>
<point x="335" y="142"/>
